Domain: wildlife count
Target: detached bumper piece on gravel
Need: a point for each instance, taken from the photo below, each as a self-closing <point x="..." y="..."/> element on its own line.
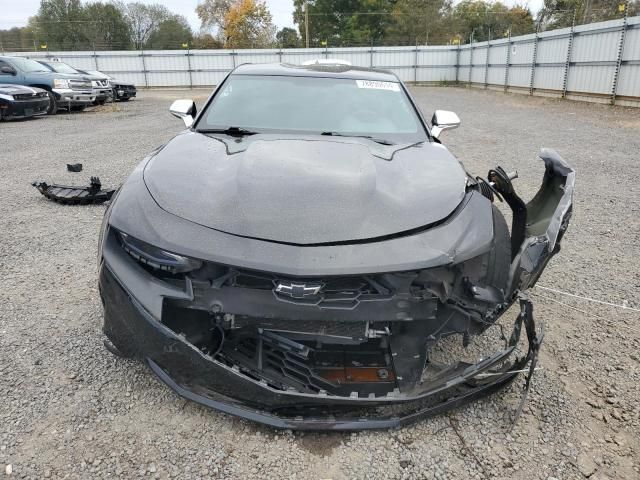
<point x="339" y="352"/>
<point x="75" y="195"/>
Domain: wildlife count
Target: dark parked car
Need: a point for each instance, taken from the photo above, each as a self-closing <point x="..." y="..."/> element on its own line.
<point x="64" y="90"/>
<point x="122" y="91"/>
<point x="302" y="254"/>
<point x="17" y="101"/>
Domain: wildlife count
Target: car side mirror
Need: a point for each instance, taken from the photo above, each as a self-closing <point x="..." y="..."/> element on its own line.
<point x="443" y="120"/>
<point x="6" y="69"/>
<point x="184" y="109"/>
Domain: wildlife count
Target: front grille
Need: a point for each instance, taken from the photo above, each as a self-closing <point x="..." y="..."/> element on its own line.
<point x="336" y="369"/>
<point x="80" y="84"/>
<point x="344" y="292"/>
<point x="29" y="96"/>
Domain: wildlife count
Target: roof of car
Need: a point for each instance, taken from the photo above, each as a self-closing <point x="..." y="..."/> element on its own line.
<point x="316" y="70"/>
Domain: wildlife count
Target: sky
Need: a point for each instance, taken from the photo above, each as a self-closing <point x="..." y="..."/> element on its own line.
<point x="15" y="13"/>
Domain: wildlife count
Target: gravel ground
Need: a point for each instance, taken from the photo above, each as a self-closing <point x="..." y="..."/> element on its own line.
<point x="71" y="410"/>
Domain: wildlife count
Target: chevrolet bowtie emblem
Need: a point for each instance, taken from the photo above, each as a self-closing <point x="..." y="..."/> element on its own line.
<point x="298" y="290"/>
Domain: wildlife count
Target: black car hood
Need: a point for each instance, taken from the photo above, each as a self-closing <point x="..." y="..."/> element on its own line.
<point x="18" y="90"/>
<point x="305" y="190"/>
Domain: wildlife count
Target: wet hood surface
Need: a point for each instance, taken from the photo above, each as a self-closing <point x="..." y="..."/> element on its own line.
<point x="305" y="190"/>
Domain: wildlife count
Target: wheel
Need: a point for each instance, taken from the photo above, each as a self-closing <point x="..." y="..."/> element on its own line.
<point x="53" y="104"/>
<point x="500" y="254"/>
<point x="122" y="351"/>
<point x="102" y="101"/>
<point x="126" y="99"/>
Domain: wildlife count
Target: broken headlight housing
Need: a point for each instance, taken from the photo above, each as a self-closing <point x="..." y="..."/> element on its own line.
<point x="156" y="258"/>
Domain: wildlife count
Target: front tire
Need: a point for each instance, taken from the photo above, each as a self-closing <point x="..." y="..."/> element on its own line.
<point x="53" y="104"/>
<point x="500" y="255"/>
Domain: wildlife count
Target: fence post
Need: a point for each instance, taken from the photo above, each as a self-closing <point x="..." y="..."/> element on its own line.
<point x="415" y="64"/>
<point x="567" y="64"/>
<point x="486" y="64"/>
<point x="457" y="63"/>
<point x="616" y="75"/>
<point x="280" y="55"/>
<point x="144" y="69"/>
<point x="189" y="67"/>
<point x="95" y="58"/>
<point x="506" y="65"/>
<point x="371" y="55"/>
<point x="470" y="60"/>
<point x="534" y="57"/>
<point x="233" y="57"/>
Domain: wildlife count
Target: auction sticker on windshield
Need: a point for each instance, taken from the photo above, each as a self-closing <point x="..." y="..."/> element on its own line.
<point x="378" y="85"/>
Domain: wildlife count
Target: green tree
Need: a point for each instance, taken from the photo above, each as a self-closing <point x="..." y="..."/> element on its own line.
<point x="288" y="38"/>
<point x="482" y="20"/>
<point x="59" y="24"/>
<point x="143" y="20"/>
<point x="171" y="34"/>
<point x="343" y="22"/>
<point x="105" y="27"/>
<point x="204" y="40"/>
<point x="420" y="21"/>
<point x="16" y="39"/>
<point x="560" y="13"/>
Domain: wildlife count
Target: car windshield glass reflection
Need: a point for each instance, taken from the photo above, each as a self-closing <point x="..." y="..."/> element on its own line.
<point x="311" y="105"/>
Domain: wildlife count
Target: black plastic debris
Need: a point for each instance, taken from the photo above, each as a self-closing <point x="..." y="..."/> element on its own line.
<point x="74" y="167"/>
<point x="74" y="195"/>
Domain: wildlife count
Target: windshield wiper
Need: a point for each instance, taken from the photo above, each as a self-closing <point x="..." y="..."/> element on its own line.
<point x="382" y="141"/>
<point x="233" y="131"/>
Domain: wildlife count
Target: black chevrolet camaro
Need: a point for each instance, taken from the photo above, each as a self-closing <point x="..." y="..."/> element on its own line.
<point x="300" y="254"/>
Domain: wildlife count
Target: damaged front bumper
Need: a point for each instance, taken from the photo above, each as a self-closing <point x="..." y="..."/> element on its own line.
<point x="343" y="361"/>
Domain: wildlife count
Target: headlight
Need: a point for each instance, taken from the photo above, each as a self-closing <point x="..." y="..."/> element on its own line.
<point x="156" y="258"/>
<point x="60" y="83"/>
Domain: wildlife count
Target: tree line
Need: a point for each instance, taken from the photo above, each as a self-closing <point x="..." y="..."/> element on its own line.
<point x="117" y="25"/>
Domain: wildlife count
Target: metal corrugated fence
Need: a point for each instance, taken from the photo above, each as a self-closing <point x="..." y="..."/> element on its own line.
<point x="595" y="62"/>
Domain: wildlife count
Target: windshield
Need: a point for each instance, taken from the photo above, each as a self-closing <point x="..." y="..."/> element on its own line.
<point x="26" y="65"/>
<point x="314" y="105"/>
<point x="62" y="68"/>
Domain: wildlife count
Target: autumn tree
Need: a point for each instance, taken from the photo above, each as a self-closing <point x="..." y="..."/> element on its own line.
<point x="238" y="23"/>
